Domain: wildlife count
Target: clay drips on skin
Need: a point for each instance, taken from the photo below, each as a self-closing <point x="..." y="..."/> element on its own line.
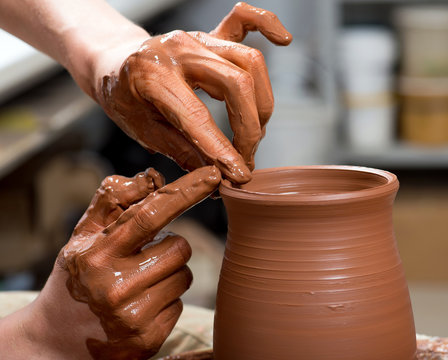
<point x="311" y="269"/>
<point x="129" y="273"/>
<point x="152" y="98"/>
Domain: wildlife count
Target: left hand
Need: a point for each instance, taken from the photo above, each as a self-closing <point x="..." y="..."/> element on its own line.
<point x="115" y="287"/>
<point x="151" y="97"/>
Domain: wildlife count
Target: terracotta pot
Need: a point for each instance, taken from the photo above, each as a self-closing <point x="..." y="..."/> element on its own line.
<point x="311" y="268"/>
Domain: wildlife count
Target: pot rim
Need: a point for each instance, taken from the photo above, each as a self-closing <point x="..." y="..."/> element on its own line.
<point x="390" y="186"/>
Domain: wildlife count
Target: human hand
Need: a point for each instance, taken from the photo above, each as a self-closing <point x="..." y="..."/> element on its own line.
<point x="114" y="290"/>
<point x="151" y="97"/>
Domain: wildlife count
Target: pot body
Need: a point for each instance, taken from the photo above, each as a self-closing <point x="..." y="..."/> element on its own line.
<point x="311" y="269"/>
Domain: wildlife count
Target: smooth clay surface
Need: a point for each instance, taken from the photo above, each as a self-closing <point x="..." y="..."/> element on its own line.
<point x="311" y="268"/>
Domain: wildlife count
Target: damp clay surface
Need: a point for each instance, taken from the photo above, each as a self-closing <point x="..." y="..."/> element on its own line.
<point x="311" y="268"/>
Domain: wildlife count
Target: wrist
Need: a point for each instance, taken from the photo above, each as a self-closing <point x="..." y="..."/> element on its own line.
<point x="24" y="336"/>
<point x="101" y="55"/>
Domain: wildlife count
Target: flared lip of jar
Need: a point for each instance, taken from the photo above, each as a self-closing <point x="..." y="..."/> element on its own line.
<point x="388" y="186"/>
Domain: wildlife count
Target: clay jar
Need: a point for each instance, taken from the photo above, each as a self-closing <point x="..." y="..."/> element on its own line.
<point x="311" y="268"/>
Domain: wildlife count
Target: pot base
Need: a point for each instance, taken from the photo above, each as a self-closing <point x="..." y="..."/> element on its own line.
<point x="428" y="348"/>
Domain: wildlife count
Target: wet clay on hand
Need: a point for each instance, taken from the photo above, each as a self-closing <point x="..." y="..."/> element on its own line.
<point x="311" y="268"/>
<point x="128" y="273"/>
<point x="152" y="98"/>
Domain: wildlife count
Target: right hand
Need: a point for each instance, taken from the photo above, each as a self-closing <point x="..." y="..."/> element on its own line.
<point x="150" y="94"/>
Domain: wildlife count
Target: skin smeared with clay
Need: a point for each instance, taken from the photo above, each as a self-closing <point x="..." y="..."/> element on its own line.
<point x="145" y="84"/>
<point x="114" y="290"/>
<point x="129" y="274"/>
<point x="311" y="268"/>
<point x="152" y="98"/>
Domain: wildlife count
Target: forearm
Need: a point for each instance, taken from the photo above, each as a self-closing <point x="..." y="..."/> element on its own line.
<point x="18" y="338"/>
<point x="74" y="33"/>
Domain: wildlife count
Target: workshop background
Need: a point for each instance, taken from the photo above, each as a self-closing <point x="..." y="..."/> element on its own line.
<point x="363" y="83"/>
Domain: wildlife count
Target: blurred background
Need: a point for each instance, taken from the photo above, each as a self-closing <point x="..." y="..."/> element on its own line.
<point x="363" y="83"/>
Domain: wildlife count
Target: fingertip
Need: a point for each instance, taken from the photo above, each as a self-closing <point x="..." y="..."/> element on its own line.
<point x="235" y="171"/>
<point x="157" y="178"/>
<point x="184" y="248"/>
<point x="287" y="38"/>
<point x="188" y="276"/>
<point x="208" y="175"/>
<point x="280" y="37"/>
<point x="214" y="176"/>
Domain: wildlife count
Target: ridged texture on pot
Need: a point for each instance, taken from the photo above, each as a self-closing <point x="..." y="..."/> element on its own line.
<point x="311" y="268"/>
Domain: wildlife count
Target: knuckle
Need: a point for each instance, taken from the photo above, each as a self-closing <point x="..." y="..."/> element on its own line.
<point x="256" y="56"/>
<point x="178" y="33"/>
<point x="199" y="113"/>
<point x="83" y="263"/>
<point x="110" y="186"/>
<point x="129" y="316"/>
<point x="240" y="5"/>
<point x="183" y="247"/>
<point x="244" y="81"/>
<point x="110" y="297"/>
<point x="271" y="16"/>
<point x="110" y="181"/>
<point x="266" y="109"/>
<point x="145" y="218"/>
<point x="177" y="36"/>
<point x="126" y="216"/>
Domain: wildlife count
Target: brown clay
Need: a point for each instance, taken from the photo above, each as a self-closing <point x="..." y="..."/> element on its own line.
<point x="311" y="268"/>
<point x="130" y="275"/>
<point x="153" y="101"/>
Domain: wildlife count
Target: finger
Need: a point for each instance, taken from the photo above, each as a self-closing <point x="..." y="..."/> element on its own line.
<point x="124" y="191"/>
<point x="252" y="61"/>
<point x="168" y="317"/>
<point x="161" y="258"/>
<point x="145" y="219"/>
<point x="115" y="195"/>
<point x="165" y="321"/>
<point x="150" y="302"/>
<point x="156" y="332"/>
<point x="244" y="18"/>
<point x="170" y="289"/>
<point x="157" y="261"/>
<point x="183" y="109"/>
<point x="171" y="143"/>
<point x="223" y="80"/>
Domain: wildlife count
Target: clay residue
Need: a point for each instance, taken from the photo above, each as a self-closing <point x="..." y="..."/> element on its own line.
<point x="129" y="273"/>
<point x="152" y="97"/>
<point x="314" y="274"/>
<point x="244" y="18"/>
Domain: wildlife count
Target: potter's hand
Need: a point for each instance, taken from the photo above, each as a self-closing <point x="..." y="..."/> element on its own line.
<point x="130" y="276"/>
<point x="152" y="97"/>
<point x="114" y="290"/>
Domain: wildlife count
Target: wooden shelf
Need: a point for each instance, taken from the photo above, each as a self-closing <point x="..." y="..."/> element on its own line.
<point x="49" y="112"/>
<point x="400" y="155"/>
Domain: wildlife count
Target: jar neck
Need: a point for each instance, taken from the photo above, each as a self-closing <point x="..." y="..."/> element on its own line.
<point x="363" y="216"/>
